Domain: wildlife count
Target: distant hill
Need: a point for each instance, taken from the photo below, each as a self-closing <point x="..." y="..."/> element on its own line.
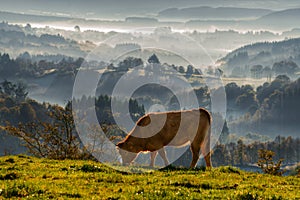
<point x="264" y="53"/>
<point x="282" y="19"/>
<point x="205" y="12"/>
<point x="15" y="40"/>
<point x="231" y="17"/>
<point x="17" y="17"/>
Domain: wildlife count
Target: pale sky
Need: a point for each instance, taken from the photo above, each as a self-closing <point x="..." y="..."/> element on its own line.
<point x="115" y="8"/>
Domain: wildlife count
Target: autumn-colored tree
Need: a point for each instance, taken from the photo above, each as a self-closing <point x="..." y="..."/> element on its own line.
<point x="266" y="163"/>
<point x="56" y="139"/>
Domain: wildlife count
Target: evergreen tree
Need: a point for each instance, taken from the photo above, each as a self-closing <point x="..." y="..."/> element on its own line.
<point x="153" y="59"/>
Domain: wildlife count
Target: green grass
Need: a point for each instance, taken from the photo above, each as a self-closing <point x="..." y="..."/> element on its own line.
<point x="33" y="178"/>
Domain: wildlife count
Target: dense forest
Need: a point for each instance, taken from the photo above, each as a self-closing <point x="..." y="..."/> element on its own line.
<point x="24" y="66"/>
<point x="271" y="106"/>
<point x="16" y="40"/>
<point x="240" y="154"/>
<point x="264" y="59"/>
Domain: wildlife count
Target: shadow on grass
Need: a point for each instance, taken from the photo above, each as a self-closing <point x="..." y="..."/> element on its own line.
<point x="179" y="168"/>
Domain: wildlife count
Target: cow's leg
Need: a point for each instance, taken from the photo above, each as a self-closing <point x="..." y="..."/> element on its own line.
<point x="205" y="149"/>
<point x="195" y="148"/>
<point x="152" y="158"/>
<point x="162" y="154"/>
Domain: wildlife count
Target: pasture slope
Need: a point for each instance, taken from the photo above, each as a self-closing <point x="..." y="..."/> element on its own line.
<point x="34" y="178"/>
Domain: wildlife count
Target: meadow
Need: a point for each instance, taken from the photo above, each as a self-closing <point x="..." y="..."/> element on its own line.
<point x="34" y="178"/>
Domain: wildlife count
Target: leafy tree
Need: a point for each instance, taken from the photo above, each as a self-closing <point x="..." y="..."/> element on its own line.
<point x="130" y="62"/>
<point x="239" y="57"/>
<point x="27" y="27"/>
<point x="8" y="88"/>
<point x="219" y="72"/>
<point x="27" y="113"/>
<point x="246" y="100"/>
<point x="232" y="91"/>
<point x="190" y="70"/>
<point x="16" y="91"/>
<point x="20" y="92"/>
<point x="77" y="28"/>
<point x="256" y="71"/>
<point x="198" y="71"/>
<point x="210" y="70"/>
<point x="181" y="69"/>
<point x="266" y="163"/>
<point x="285" y="67"/>
<point x="240" y="156"/>
<point x="56" y="139"/>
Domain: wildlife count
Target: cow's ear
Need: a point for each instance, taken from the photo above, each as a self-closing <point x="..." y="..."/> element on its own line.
<point x="144" y="121"/>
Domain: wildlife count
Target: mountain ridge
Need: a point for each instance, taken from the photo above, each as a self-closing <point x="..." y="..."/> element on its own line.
<point x="262" y="53"/>
<point x="213" y="12"/>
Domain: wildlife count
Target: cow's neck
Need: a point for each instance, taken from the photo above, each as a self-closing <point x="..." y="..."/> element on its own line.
<point x="140" y="144"/>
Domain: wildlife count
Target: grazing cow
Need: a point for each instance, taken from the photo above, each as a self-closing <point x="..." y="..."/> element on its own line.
<point x="178" y="129"/>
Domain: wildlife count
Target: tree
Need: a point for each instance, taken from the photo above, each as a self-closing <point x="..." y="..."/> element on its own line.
<point x="20" y="92"/>
<point x="256" y="71"/>
<point x="27" y="27"/>
<point x="246" y="100"/>
<point x="285" y="67"/>
<point x="77" y="28"/>
<point x="8" y="87"/>
<point x="240" y="157"/>
<point x="224" y="134"/>
<point x="27" y="113"/>
<point x="190" y="70"/>
<point x="232" y="91"/>
<point x="267" y="72"/>
<point x="219" y="72"/>
<point x="153" y="59"/>
<point x="210" y="70"/>
<point x="181" y="69"/>
<point x="129" y="63"/>
<point x="56" y="139"/>
<point x="266" y="163"/>
<point x="198" y="71"/>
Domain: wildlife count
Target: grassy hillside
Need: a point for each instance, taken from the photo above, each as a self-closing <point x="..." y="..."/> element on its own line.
<point x="33" y="178"/>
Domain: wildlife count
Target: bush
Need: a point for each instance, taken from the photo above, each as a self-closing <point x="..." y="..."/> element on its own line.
<point x="56" y="139"/>
<point x="266" y="163"/>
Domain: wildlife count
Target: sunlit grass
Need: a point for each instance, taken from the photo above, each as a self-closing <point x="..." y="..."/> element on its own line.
<point x="33" y="178"/>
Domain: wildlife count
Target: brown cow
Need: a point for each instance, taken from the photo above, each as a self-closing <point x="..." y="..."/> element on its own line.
<point x="178" y="129"/>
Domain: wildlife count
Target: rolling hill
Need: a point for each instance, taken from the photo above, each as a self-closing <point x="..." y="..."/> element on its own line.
<point x="205" y="12"/>
<point x="285" y="19"/>
<point x="21" y="18"/>
<point x="264" y="53"/>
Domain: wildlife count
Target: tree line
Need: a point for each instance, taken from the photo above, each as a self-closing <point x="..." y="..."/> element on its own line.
<point x="241" y="154"/>
<point x="24" y="67"/>
<point x="273" y="104"/>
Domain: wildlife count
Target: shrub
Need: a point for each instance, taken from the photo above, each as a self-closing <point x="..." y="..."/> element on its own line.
<point x="266" y="163"/>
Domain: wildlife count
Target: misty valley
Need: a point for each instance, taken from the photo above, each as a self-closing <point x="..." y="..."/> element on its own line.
<point x="74" y="83"/>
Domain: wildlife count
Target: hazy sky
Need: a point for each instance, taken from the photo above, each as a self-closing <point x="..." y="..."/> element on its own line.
<point x="121" y="8"/>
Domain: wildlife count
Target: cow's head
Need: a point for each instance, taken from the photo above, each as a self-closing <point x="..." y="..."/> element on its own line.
<point x="127" y="156"/>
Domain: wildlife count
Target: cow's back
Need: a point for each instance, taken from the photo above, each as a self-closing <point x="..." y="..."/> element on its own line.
<point x="192" y="123"/>
<point x="156" y="130"/>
